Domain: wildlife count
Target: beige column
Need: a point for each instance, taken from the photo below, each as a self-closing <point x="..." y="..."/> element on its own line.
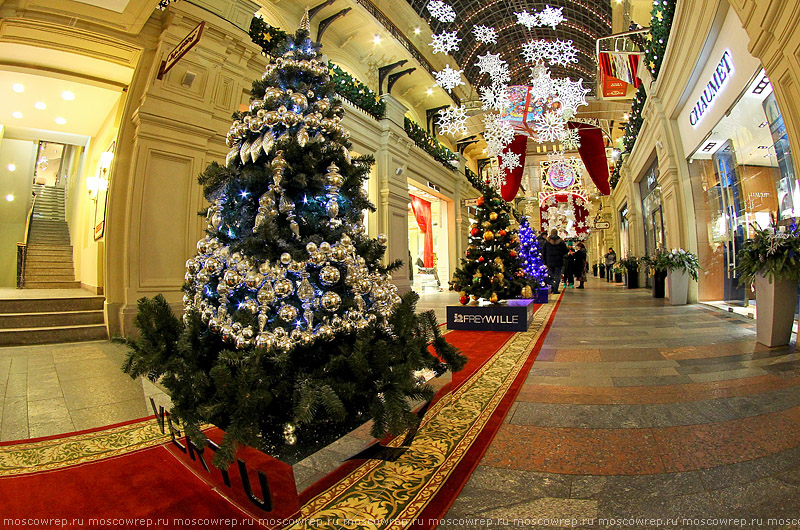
<point x="393" y="189"/>
<point x="172" y="129"/>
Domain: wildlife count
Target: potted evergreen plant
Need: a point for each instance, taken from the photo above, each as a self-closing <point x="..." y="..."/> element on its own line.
<point x="770" y="258"/>
<point x="594" y="270"/>
<point x="680" y="266"/>
<point x="631" y="266"/>
<point x="618" y="271"/>
<point x="657" y="268"/>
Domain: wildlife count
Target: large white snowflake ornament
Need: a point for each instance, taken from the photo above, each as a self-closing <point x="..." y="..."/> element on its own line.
<point x="452" y="120"/>
<point x="527" y="19"/>
<point x="495" y="97"/>
<point x="441" y="11"/>
<point x="542" y="85"/>
<point x="497" y="130"/>
<point x="510" y="160"/>
<point x="549" y="126"/>
<point x="485" y="34"/>
<point x="563" y="53"/>
<point x="448" y="78"/>
<point x="554" y="52"/>
<point x="489" y="62"/>
<point x="571" y="93"/>
<point x="536" y="51"/>
<point x="445" y="42"/>
<point x="550" y="16"/>
<point x="571" y="139"/>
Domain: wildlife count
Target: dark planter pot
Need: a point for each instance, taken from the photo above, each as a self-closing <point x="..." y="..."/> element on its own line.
<point x="659" y="280"/>
<point x="618" y="277"/>
<point x="602" y="270"/>
<point x="633" y="279"/>
<point x="594" y="270"/>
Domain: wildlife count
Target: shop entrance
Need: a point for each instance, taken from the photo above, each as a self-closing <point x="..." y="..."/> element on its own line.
<point x="428" y="238"/>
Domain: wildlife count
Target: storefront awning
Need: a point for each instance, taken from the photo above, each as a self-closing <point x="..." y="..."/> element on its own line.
<point x="593" y="154"/>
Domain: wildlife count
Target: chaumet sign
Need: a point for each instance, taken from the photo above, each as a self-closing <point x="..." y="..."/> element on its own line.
<point x="718" y="80"/>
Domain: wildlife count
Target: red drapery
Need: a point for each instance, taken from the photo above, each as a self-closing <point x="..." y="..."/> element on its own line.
<point x="593" y="154"/>
<point x="514" y="177"/>
<point x="422" y="213"/>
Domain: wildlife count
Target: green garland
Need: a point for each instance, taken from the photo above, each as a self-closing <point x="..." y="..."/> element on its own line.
<point x="357" y="92"/>
<point x="270" y="39"/>
<point x="635" y="120"/>
<point x="615" y="174"/>
<point x="430" y="145"/>
<point x="660" y="24"/>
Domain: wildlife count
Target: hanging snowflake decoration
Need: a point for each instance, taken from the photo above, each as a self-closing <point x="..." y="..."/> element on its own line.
<point x="485" y="34"/>
<point x="549" y="126"/>
<point x="445" y="42"/>
<point x="452" y="120"/>
<point x="542" y="85"/>
<point x="563" y="53"/>
<point x="527" y="19"/>
<point x="441" y="11"/>
<point x="560" y="52"/>
<point x="448" y="78"/>
<point x="571" y="93"/>
<point x="489" y="62"/>
<point x="510" y="161"/>
<point x="495" y="97"/>
<point x="498" y="133"/>
<point x="551" y="16"/>
<point x="571" y="139"/>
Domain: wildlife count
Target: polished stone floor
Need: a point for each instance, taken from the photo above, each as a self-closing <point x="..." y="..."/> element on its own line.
<point x="636" y="414"/>
<point x="639" y="414"/>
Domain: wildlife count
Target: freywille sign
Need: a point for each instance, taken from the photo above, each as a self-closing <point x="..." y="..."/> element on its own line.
<point x="516" y="315"/>
<point x="713" y="87"/>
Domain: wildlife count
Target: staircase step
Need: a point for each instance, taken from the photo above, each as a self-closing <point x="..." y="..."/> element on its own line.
<point x="37" y="265"/>
<point x="48" y="335"/>
<point x="52" y="285"/>
<point x="55" y="319"/>
<point x="47" y="305"/>
<point x="46" y="276"/>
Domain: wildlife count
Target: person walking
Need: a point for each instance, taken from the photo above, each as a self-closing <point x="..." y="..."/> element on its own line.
<point x="554" y="251"/>
<point x="541" y="239"/>
<point x="580" y="264"/>
<point x="569" y="267"/>
<point x="611" y="259"/>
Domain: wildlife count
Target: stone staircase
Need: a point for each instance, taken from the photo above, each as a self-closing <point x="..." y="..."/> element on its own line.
<point x="51" y="320"/>
<point x="48" y="262"/>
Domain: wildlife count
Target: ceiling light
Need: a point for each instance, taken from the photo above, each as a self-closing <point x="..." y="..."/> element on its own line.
<point x="417" y="30"/>
<point x="376" y="39"/>
<point x="40" y="105"/>
<point x="11" y="167"/>
<point x="17" y="115"/>
<point x="9" y="197"/>
<point x="60" y="120"/>
<point x="67" y="95"/>
<point x="16" y="87"/>
<point x="429" y="91"/>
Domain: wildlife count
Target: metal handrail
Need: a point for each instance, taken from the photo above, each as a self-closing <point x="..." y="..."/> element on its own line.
<point x="22" y="248"/>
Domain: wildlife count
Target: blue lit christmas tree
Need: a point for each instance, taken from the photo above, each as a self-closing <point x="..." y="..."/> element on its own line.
<point x="530" y="256"/>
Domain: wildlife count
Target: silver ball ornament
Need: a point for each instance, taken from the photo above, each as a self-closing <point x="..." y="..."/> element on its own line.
<point x="311" y="247"/>
<point x="330" y="301"/>
<point x="286" y="258"/>
<point x="283" y="288"/>
<point x="329" y="275"/>
<point x="288" y="313"/>
<point x="382" y="239"/>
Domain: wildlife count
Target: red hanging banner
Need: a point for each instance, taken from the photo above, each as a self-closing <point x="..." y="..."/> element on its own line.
<point x="513" y="178"/>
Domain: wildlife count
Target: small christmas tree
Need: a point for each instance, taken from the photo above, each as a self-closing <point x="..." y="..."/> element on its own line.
<point x="292" y="333"/>
<point x="491" y="268"/>
<point x="530" y="255"/>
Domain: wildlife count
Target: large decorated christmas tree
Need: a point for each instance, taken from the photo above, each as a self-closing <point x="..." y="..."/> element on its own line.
<point x="491" y="268"/>
<point x="292" y="332"/>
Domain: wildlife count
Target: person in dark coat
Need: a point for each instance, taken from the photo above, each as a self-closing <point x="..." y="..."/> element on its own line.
<point x="541" y="239"/>
<point x="554" y="251"/>
<point x="569" y="267"/>
<point x="579" y="264"/>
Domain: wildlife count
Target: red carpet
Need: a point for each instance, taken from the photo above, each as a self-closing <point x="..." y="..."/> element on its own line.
<point x="131" y="475"/>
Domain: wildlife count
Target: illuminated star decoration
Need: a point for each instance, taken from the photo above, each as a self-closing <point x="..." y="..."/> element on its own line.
<point x="448" y="78"/>
<point x="485" y="34"/>
<point x="510" y="160"/>
<point x="452" y="120"/>
<point x="441" y="11"/>
<point x="445" y="42"/>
